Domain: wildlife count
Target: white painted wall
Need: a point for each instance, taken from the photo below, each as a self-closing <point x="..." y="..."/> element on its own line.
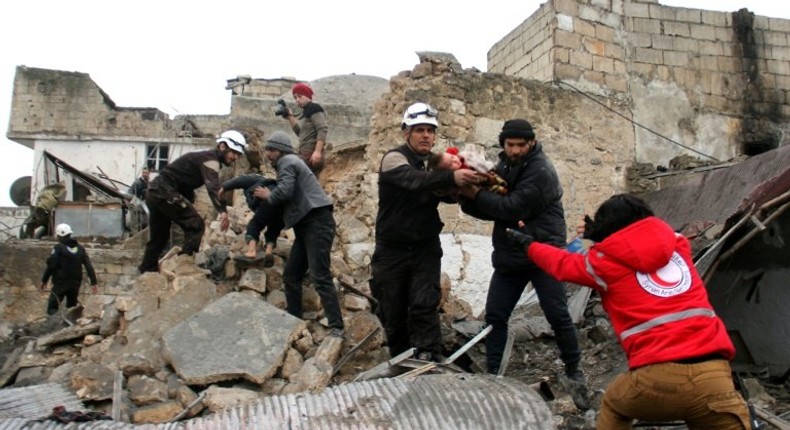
<point x="119" y="160"/>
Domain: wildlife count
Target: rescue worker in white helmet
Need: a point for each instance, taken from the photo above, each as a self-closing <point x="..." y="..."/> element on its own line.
<point x="171" y="196"/>
<point x="406" y="263"/>
<point x="64" y="267"/>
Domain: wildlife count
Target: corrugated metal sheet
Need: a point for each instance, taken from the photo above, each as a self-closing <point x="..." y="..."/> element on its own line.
<point x="427" y="402"/>
<point x="721" y="197"/>
<point x="36" y="401"/>
<point x="718" y="195"/>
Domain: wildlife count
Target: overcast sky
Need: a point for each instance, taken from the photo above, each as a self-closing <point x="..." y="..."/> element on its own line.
<point x="177" y="55"/>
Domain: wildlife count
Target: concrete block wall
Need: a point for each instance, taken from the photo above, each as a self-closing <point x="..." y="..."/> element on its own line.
<point x="52" y="102"/>
<point x="527" y="50"/>
<point x="715" y="82"/>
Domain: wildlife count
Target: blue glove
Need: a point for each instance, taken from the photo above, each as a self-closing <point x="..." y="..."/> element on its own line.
<point x="519" y="238"/>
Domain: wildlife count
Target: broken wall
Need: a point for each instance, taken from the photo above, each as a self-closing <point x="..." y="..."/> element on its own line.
<point x="715" y="82"/>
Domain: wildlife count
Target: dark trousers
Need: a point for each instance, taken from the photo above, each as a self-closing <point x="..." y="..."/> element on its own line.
<point x="166" y="207"/>
<point x="266" y="217"/>
<point x="405" y="281"/>
<point x="314" y="235"/>
<point x="503" y="293"/>
<point x="58" y="292"/>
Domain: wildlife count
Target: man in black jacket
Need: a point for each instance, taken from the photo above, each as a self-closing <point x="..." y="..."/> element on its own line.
<point x="171" y="196"/>
<point x="64" y="266"/>
<point x="140" y="185"/>
<point x="534" y="197"/>
<point x="406" y="263"/>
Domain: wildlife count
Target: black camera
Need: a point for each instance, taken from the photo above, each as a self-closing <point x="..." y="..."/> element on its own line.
<point x="282" y="109"/>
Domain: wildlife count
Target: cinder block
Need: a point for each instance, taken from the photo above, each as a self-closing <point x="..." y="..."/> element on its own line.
<point x="775" y="38"/>
<point x="604" y="33"/>
<point x="703" y="32"/>
<point x="603" y="64"/>
<point x="594" y="77"/>
<point x="643" y="25"/>
<point x="779" y="24"/>
<point x="664" y="13"/>
<point x="677" y="29"/>
<point x="637" y="10"/>
<point x="688" y="15"/>
<point x="567" y="40"/>
<point x="647" y="55"/>
<point x="616" y="82"/>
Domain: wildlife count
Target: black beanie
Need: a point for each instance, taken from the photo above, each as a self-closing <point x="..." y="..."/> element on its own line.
<point x="516" y="128"/>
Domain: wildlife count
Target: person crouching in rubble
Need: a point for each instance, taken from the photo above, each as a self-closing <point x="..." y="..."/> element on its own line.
<point x="171" y="195"/>
<point x="64" y="266"/>
<point x="266" y="216"/>
<point x="678" y="350"/>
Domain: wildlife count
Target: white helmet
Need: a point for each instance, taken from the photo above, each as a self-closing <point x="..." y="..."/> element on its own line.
<point x="63" y="230"/>
<point x="234" y="140"/>
<point x="419" y="113"/>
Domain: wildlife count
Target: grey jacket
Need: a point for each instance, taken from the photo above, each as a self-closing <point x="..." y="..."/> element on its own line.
<point x="297" y="190"/>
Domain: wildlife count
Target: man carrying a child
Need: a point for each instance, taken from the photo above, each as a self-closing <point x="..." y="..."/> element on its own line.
<point x="535" y="197"/>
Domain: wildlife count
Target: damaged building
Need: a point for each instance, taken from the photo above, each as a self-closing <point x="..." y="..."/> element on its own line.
<point x="625" y="96"/>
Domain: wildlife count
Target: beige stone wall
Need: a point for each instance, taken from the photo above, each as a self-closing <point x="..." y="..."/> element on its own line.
<point x="23" y="265"/>
<point x="715" y="82"/>
<point x="48" y="102"/>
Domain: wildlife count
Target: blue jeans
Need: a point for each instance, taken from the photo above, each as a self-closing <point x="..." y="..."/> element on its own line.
<point x="503" y="294"/>
<point x="312" y="245"/>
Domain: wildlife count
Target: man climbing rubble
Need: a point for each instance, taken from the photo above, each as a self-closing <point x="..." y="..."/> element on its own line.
<point x="171" y="195"/>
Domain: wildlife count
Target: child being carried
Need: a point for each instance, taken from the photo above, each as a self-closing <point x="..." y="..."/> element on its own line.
<point x="472" y="158"/>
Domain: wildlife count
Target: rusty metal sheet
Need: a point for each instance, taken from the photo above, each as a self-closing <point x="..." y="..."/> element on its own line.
<point x="718" y="197"/>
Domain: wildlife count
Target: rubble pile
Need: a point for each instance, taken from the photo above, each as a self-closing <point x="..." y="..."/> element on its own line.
<point x="185" y="345"/>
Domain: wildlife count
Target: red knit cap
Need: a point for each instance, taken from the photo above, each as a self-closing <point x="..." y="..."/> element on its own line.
<point x="302" y="89"/>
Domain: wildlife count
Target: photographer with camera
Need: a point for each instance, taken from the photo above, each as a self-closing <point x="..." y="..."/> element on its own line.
<point x="311" y="126"/>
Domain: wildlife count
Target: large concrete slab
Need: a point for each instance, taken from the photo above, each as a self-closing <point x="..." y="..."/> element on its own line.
<point x="235" y="337"/>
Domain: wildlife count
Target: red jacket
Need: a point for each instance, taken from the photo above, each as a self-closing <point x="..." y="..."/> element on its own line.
<point x="655" y="299"/>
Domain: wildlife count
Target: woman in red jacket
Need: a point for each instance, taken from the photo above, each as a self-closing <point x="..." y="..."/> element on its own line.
<point x="678" y="350"/>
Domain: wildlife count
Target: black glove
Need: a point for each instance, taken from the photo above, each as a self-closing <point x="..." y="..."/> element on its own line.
<point x="519" y="238"/>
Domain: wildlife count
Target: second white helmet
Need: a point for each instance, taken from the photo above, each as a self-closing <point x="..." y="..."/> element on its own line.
<point x="234" y="140"/>
<point x="419" y="113"/>
<point x="63" y="230"/>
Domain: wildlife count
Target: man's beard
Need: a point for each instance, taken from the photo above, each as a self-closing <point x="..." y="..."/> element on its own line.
<point x="513" y="161"/>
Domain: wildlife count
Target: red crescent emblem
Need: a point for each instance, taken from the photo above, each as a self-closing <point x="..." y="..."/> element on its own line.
<point x="660" y="282"/>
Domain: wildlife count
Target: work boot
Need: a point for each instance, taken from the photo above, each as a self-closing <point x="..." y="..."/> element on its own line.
<point x="575" y="384"/>
<point x="573" y="372"/>
<point x="425" y="356"/>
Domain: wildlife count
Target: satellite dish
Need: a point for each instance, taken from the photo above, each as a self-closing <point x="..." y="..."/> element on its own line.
<point x="20" y="191"/>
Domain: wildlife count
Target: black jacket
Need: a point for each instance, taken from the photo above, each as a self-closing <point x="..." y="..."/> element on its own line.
<point x="65" y="263"/>
<point x="249" y="182"/>
<point x="190" y="171"/>
<point x="534" y="196"/>
<point x="139" y="187"/>
<point x="407" y="203"/>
